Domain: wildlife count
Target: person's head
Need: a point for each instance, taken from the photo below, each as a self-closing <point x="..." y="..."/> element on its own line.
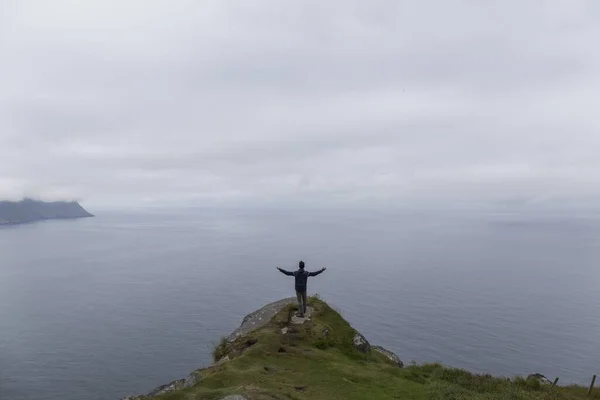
<point x="301" y="265"/>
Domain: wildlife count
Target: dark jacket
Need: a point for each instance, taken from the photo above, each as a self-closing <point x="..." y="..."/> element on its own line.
<point x="301" y="276"/>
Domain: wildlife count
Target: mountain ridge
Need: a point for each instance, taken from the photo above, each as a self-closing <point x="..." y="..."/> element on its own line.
<point x="30" y="210"/>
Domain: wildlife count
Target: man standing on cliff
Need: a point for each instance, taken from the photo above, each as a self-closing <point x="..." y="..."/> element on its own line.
<point x="301" y="276"/>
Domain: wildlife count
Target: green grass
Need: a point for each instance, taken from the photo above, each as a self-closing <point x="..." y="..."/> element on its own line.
<point x="305" y="364"/>
<point x="220" y="350"/>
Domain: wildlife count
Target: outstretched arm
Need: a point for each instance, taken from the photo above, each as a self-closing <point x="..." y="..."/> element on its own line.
<point x="317" y="272"/>
<point x="283" y="271"/>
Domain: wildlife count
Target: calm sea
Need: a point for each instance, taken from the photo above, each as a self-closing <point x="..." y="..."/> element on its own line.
<point x="102" y="307"/>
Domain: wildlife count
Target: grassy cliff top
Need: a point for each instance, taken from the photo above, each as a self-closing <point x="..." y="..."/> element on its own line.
<point x="318" y="360"/>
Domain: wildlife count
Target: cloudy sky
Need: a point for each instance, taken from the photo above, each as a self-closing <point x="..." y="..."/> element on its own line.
<point x="332" y="102"/>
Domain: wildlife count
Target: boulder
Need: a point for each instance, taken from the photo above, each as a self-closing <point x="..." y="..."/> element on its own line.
<point x="540" y="378"/>
<point x="234" y="397"/>
<point x="361" y="343"/>
<point x="390" y="355"/>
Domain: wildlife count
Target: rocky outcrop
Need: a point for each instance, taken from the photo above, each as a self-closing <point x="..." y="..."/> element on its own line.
<point x="540" y="378"/>
<point x="28" y="210"/>
<point x="390" y="355"/>
<point x="260" y="318"/>
<point x="191" y="380"/>
<point x="361" y="343"/>
<point x="252" y="322"/>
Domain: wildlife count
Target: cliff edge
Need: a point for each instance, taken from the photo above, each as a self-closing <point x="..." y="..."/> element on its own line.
<point x="29" y="210"/>
<point x="276" y="355"/>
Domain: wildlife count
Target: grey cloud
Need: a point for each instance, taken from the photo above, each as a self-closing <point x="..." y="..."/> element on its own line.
<point x="338" y="101"/>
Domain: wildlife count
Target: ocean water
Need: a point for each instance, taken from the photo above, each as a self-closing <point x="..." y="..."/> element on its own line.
<point x="103" y="307"/>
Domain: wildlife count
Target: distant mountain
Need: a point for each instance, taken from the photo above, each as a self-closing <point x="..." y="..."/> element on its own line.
<point x="29" y="210"/>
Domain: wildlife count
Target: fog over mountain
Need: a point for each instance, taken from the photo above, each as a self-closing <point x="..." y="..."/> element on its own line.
<point x="29" y="210"/>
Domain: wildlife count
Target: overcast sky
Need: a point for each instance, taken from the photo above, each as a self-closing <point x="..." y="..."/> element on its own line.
<point x="332" y="102"/>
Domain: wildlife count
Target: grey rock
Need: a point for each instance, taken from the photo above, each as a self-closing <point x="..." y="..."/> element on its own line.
<point x="284" y="330"/>
<point x="259" y="318"/>
<point x="234" y="397"/>
<point x="223" y="360"/>
<point x="175" y="385"/>
<point x="178" y="384"/>
<point x="390" y="355"/>
<point x="296" y="320"/>
<point x="361" y="343"/>
<point x="540" y="378"/>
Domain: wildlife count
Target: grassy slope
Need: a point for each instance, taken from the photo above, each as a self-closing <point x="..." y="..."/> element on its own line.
<point x="303" y="365"/>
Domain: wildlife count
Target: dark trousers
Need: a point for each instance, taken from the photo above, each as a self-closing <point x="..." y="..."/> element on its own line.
<point x="301" y="302"/>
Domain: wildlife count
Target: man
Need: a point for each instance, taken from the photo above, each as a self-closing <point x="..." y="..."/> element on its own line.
<point x="301" y="276"/>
